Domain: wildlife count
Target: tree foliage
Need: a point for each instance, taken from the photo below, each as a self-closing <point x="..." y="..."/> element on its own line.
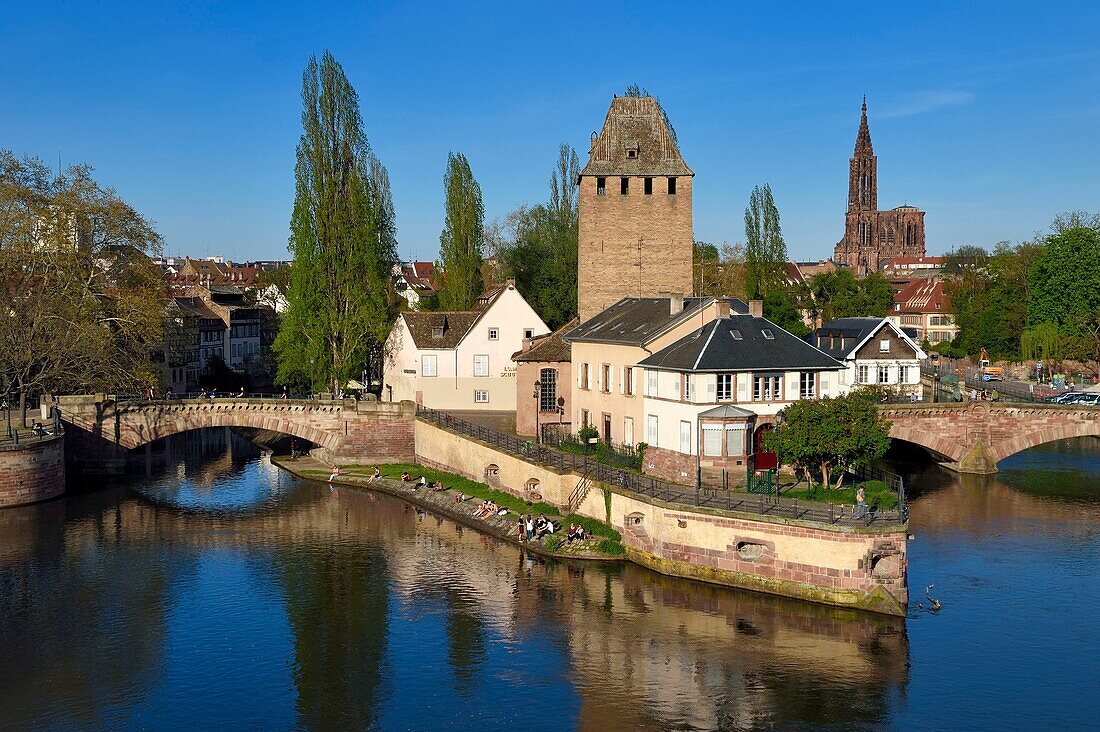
<point x="718" y="271"/>
<point x="781" y="307"/>
<point x="343" y="241"/>
<point x="538" y="245"/>
<point x="81" y="302"/>
<point x="765" y="250"/>
<point x="840" y="295"/>
<point x="461" y="243"/>
<point x="826" y="437"/>
<point x="1066" y="279"/>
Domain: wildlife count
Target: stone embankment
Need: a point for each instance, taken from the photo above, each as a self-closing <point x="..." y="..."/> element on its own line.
<point x="32" y="471"/>
<point x="447" y="503"/>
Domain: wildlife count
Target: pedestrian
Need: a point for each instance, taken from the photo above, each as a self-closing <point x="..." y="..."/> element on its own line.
<point x="335" y="473"/>
<point x="168" y="394"/>
<point x="861" y="502"/>
<point x="530" y="524"/>
<point x="375" y="476"/>
<point x="522" y="528"/>
<point x="240" y="394"/>
<point x="286" y="392"/>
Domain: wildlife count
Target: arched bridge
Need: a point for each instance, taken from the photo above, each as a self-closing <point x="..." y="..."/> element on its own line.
<point x="349" y="431"/>
<point x="975" y="436"/>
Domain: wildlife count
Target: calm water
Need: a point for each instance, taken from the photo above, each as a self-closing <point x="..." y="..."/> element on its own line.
<point x="221" y="593"/>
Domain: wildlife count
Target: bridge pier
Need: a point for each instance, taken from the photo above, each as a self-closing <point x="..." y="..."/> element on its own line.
<point x="977" y="460"/>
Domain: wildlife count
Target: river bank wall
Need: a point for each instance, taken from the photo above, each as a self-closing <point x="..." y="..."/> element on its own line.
<point x="32" y="471"/>
<point x="849" y="566"/>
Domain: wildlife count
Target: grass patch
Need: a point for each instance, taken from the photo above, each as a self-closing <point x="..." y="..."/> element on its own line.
<point x="611" y="547"/>
<point x="593" y="526"/>
<point x="875" y="491"/>
<point x="553" y="542"/>
<point x="458" y="483"/>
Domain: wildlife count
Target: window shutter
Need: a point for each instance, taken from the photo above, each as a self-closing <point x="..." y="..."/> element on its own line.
<point x="743" y="387"/>
<point x="622" y="380"/>
<point x="711" y="385"/>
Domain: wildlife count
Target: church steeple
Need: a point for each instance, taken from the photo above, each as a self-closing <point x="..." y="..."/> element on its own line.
<point x="863" y="170"/>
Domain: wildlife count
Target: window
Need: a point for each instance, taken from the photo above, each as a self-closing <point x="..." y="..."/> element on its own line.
<point x="632" y="152"/>
<point x="651" y="429"/>
<point x="725" y="387"/>
<point x="584" y="376"/>
<point x="548" y="391"/>
<point x="651" y="383"/>
<point x="601" y="186"/>
<point x="712" y="440"/>
<point x="687" y="387"/>
<point x="736" y="334"/>
<point x="884" y="345"/>
<point x="807" y="385"/>
<point x="481" y="365"/>
<point x="647" y="187"/>
<point x="767" y="388"/>
<point x="672" y="186"/>
<point x="584" y="418"/>
<point x="628" y="381"/>
<point x="903" y="374"/>
<point x="735" y="440"/>
<point x="624" y="186"/>
<point x="884" y="374"/>
<point x="437" y="331"/>
<point x="528" y="333"/>
<point x="494" y="334"/>
<point x="481" y="397"/>
<point x="605" y="378"/>
<point x="863" y="375"/>
<point x="685" y="437"/>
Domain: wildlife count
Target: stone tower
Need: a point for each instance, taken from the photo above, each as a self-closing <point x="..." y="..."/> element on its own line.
<point x="635" y="230"/>
<point x="872" y="237"/>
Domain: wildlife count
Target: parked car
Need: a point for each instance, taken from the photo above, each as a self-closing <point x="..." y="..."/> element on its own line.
<point x="1064" y="397"/>
<point x="1091" y="399"/>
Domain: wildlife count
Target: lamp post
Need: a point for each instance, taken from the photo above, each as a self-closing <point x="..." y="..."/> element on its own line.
<point x="536" y="395"/>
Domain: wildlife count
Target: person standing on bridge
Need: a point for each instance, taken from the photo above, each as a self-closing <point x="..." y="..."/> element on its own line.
<point x="861" y="502"/>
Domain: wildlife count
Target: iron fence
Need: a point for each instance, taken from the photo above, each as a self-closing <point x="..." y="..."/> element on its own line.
<point x="704" y="496"/>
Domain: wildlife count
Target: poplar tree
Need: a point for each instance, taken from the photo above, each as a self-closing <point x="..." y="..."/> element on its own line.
<point x="765" y="250"/>
<point x="460" y="243"/>
<point x="342" y="237"/>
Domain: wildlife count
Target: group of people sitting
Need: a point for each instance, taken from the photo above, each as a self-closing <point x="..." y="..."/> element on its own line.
<point x="419" y="483"/>
<point x="40" y="430"/>
<point x="576" y="533"/>
<point x="489" y="508"/>
<point x="532" y="527"/>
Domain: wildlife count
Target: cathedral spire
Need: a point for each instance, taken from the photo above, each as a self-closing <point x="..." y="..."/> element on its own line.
<point x="863" y="137"/>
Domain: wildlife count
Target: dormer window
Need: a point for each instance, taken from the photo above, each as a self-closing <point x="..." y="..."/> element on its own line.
<point x="437" y="331"/>
<point x="632" y="152"/>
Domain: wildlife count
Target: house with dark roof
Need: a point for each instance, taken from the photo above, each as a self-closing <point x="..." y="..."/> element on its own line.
<point x="876" y="351"/>
<point x="709" y="396"/>
<point x="460" y="360"/>
<point x="413" y="281"/>
<point x="607" y="348"/>
<point x="544" y="373"/>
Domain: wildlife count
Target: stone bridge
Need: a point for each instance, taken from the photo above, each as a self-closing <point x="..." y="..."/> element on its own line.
<point x="972" y="438"/>
<point x="348" y="431"/>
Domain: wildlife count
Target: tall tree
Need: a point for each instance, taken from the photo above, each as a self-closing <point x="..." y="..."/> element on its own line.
<point x="1066" y="279"/>
<point x="342" y="238"/>
<point x="765" y="250"/>
<point x="81" y="302"/>
<point x="840" y="295"/>
<point x="460" y="244"/>
<point x="540" y="248"/>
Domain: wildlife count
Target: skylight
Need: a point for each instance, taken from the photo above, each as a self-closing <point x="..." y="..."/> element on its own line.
<point x="767" y="334"/>
<point x="736" y="334"/>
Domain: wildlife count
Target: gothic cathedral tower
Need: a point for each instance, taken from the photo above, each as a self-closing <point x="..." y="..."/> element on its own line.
<point x="635" y="230"/>
<point x="873" y="237"/>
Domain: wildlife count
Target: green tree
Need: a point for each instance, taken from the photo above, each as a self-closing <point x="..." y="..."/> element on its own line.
<point x="82" y="305"/>
<point x="338" y="304"/>
<point x="460" y="244"/>
<point x="781" y="307"/>
<point x="1066" y="279"/>
<point x="765" y="250"/>
<point x="829" y="436"/>
<point x="540" y="248"/>
<point x="840" y="295"/>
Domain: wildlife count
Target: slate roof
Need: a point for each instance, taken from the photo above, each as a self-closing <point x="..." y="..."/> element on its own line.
<point x="741" y="343"/>
<point x="636" y="123"/>
<point x="727" y="411"/>
<point x="552" y="348"/>
<point x="456" y="324"/>
<point x="638" y="320"/>
<point x="856" y="329"/>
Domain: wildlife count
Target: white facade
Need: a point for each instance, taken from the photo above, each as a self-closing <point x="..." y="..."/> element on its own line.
<point x="477" y="372"/>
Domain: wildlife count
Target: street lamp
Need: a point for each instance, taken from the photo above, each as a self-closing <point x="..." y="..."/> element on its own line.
<point x="537" y="394"/>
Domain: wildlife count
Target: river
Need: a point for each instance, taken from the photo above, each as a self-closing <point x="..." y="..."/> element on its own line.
<point x="217" y="592"/>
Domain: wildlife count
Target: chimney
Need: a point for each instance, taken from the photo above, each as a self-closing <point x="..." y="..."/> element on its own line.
<point x="675" y="303"/>
<point x="721" y="308"/>
<point x="756" y="308"/>
<point x="511" y="283"/>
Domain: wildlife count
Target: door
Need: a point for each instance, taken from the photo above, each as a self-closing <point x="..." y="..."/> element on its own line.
<point x="607" y="428"/>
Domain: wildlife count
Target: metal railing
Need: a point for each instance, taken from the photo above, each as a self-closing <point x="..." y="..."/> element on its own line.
<point x="705" y="496"/>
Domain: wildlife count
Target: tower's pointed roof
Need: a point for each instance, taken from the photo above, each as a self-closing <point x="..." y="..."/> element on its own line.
<point x="635" y="140"/>
<point x="863" y="137"/>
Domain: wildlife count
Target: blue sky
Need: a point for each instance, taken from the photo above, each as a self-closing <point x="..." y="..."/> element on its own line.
<point x="986" y="115"/>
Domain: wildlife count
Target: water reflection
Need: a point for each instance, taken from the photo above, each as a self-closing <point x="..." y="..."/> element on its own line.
<point x="282" y="604"/>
